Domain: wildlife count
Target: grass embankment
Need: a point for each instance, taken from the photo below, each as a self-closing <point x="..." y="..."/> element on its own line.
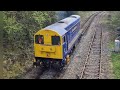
<point x="85" y="14"/>
<point x="113" y="22"/>
<point x="19" y="29"/>
<point x="115" y="58"/>
<point x="1" y="48"/>
<point x="116" y="64"/>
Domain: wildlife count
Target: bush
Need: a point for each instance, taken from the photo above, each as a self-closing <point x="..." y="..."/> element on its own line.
<point x="19" y="29"/>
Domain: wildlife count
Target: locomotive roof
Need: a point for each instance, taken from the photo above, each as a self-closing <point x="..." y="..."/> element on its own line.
<point x="60" y="26"/>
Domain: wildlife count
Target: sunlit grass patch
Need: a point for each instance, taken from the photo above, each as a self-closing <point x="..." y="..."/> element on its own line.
<point x="116" y="64"/>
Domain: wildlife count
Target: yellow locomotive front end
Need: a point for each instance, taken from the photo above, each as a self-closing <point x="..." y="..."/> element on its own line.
<point x="48" y="44"/>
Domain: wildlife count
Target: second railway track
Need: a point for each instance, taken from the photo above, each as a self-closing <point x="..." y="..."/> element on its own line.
<point x="92" y="65"/>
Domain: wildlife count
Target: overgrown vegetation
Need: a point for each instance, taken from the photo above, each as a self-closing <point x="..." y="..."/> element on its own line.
<point x="116" y="64"/>
<point x="1" y="49"/>
<point x="19" y="28"/>
<point x="85" y="14"/>
<point x="114" y="18"/>
<point x="114" y="22"/>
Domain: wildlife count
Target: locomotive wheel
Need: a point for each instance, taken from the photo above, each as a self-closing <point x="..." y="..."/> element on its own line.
<point x="37" y="63"/>
<point x="60" y="68"/>
<point x="34" y="64"/>
<point x="46" y="66"/>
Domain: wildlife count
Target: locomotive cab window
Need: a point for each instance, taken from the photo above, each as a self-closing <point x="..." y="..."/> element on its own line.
<point x="39" y="39"/>
<point x="55" y="40"/>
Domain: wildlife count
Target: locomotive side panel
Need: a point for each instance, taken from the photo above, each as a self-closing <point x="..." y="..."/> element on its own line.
<point x="71" y="38"/>
<point x="73" y="35"/>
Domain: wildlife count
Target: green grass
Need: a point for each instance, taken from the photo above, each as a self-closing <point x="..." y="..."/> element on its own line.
<point x="115" y="61"/>
<point x="1" y="38"/>
<point x="1" y="19"/>
<point x="116" y="64"/>
<point x="111" y="45"/>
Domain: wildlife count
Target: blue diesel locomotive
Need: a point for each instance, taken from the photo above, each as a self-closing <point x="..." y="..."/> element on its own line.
<point x="54" y="43"/>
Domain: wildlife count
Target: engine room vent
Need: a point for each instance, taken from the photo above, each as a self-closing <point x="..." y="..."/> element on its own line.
<point x="60" y="22"/>
<point x="73" y="16"/>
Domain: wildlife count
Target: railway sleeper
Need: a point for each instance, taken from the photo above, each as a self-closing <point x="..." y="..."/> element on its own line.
<point x="91" y="74"/>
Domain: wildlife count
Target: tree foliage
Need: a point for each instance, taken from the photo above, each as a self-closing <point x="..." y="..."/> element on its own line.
<point x="20" y="26"/>
<point x="114" y="19"/>
<point x="18" y="31"/>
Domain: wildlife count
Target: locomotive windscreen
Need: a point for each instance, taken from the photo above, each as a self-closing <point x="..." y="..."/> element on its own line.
<point x="39" y="39"/>
<point x="55" y="40"/>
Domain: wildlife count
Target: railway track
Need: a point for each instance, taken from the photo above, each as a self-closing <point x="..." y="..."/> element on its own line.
<point x="51" y="74"/>
<point x="41" y="73"/>
<point x="92" y="66"/>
